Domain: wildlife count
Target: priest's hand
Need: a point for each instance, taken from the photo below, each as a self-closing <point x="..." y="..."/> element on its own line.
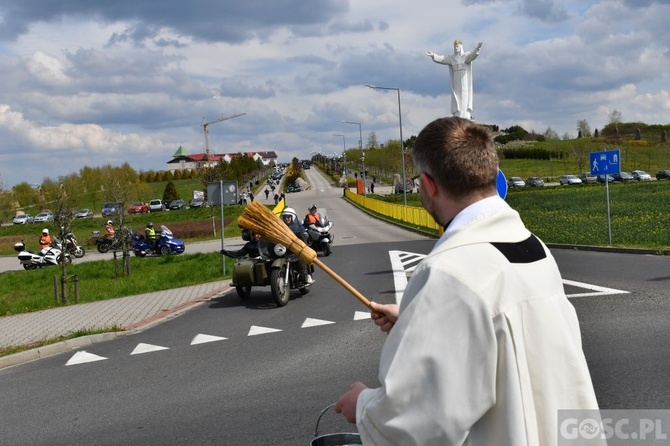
<point x="347" y="402"/>
<point x="384" y="315"/>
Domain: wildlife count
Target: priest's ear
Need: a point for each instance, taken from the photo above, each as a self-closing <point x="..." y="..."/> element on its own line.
<point x="428" y="184"/>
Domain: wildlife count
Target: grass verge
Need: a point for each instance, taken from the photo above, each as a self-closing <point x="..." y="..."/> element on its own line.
<point x="25" y="291"/>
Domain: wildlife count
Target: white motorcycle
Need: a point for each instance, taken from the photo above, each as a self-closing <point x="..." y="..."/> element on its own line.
<point x="320" y="237"/>
<point x="46" y="257"/>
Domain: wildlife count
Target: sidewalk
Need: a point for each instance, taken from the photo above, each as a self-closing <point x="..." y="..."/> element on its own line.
<point x="131" y="313"/>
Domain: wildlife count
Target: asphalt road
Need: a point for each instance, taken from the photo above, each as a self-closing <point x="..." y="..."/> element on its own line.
<point x="245" y="372"/>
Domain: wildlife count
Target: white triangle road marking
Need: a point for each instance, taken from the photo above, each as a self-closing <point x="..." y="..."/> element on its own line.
<point x="360" y="315"/>
<point x="83" y="357"/>
<point x="203" y="339"/>
<point x="147" y="348"/>
<point x="309" y="322"/>
<point x="256" y="330"/>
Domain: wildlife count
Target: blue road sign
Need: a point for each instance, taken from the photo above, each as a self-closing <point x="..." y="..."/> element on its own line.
<point x="605" y="163"/>
<point x="501" y="184"/>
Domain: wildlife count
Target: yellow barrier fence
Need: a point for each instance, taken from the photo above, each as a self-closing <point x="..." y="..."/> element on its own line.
<point x="411" y="215"/>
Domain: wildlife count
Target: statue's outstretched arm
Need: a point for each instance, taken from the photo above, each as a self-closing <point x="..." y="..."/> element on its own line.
<point x="436" y="57"/>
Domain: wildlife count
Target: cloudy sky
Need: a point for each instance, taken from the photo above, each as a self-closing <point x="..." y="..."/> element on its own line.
<point x="89" y="83"/>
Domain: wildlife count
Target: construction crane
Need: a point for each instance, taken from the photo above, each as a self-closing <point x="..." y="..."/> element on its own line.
<point x="207" y="124"/>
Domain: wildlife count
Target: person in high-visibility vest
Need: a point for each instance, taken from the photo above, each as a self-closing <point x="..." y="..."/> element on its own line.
<point x="109" y="229"/>
<point x="150" y="234"/>
<point x="45" y="239"/>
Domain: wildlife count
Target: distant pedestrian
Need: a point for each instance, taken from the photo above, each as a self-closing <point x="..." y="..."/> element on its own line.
<point x="356" y="175"/>
<point x="251" y="197"/>
<point x="282" y="196"/>
<point x="267" y="193"/>
<point x="276" y="198"/>
<point x="372" y="188"/>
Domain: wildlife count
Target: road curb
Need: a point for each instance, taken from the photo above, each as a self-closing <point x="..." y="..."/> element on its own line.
<point x="56" y="348"/>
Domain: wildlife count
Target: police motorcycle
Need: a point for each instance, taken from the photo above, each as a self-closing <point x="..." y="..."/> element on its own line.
<point x="71" y="246"/>
<point x="45" y="257"/>
<point x="166" y="244"/>
<point x="320" y="237"/>
<point x="274" y="266"/>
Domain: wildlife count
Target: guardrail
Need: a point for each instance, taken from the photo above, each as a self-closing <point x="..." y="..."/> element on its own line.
<point x="410" y="215"/>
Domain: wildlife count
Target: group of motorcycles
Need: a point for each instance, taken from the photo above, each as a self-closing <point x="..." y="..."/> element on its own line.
<point x="279" y="268"/>
<point x="61" y="251"/>
<point x="166" y="243"/>
<point x="65" y="249"/>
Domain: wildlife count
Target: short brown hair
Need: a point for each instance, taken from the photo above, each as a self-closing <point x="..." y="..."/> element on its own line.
<point x="458" y="154"/>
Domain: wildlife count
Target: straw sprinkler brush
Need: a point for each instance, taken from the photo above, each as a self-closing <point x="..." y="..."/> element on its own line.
<point x="260" y="220"/>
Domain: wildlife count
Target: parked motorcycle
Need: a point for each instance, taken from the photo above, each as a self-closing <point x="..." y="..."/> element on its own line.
<point x="275" y="266"/>
<point x="70" y="245"/>
<point x="166" y="244"/>
<point x="105" y="244"/>
<point x="320" y="237"/>
<point x="46" y="257"/>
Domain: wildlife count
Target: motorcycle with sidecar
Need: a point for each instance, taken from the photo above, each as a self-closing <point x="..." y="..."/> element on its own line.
<point x="274" y="266"/>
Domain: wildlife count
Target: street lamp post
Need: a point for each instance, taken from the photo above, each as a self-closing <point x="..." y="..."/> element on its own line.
<point x="344" y="152"/>
<point x="360" y="146"/>
<point x="402" y="145"/>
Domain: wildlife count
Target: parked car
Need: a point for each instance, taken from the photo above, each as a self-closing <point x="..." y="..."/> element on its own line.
<point x="23" y="219"/>
<point x="156" y="205"/>
<point x="601" y="178"/>
<point x="569" y="179"/>
<point x="84" y="213"/>
<point x="515" y="182"/>
<point x="587" y="178"/>
<point x="663" y="175"/>
<point x="43" y="217"/>
<point x="640" y="175"/>
<point x="622" y="176"/>
<point x="177" y="204"/>
<point x="138" y="208"/>
<point x="196" y="203"/>
<point x="109" y="209"/>
<point x="535" y="182"/>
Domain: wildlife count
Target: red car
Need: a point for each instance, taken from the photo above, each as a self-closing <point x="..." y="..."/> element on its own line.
<point x="138" y="208"/>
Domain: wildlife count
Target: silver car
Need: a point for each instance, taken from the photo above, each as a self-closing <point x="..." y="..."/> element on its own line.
<point x="23" y="219"/>
<point x="569" y="179"/>
<point x="640" y="175"/>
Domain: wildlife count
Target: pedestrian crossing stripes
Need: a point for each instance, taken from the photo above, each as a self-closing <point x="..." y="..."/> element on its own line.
<point x="404" y="263"/>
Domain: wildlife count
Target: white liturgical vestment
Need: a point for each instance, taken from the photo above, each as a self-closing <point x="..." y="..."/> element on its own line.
<point x="487" y="347"/>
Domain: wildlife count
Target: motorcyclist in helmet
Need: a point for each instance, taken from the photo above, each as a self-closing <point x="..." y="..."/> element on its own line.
<point x="109" y="229"/>
<point x="45" y="240"/>
<point x="313" y="217"/>
<point x="250" y="248"/>
<point x="150" y="235"/>
<point x="290" y="218"/>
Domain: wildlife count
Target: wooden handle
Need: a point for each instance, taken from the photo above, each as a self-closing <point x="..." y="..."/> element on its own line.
<point x="344" y="283"/>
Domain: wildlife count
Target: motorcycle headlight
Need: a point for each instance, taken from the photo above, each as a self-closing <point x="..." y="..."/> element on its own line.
<point x="279" y="250"/>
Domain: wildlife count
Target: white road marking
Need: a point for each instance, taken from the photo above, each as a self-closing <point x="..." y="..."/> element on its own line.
<point x="360" y="315"/>
<point x="256" y="330"/>
<point x="309" y="322"/>
<point x="403" y="263"/>
<point x="598" y="290"/>
<point x="147" y="348"/>
<point x="84" y="357"/>
<point x="203" y="339"/>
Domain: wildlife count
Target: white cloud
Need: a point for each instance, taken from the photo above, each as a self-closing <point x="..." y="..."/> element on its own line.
<point x="128" y="82"/>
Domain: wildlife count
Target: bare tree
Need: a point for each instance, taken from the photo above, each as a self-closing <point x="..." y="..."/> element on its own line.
<point x="615" y="117"/>
<point x="372" y="141"/>
<point x="584" y="128"/>
<point x="550" y="134"/>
